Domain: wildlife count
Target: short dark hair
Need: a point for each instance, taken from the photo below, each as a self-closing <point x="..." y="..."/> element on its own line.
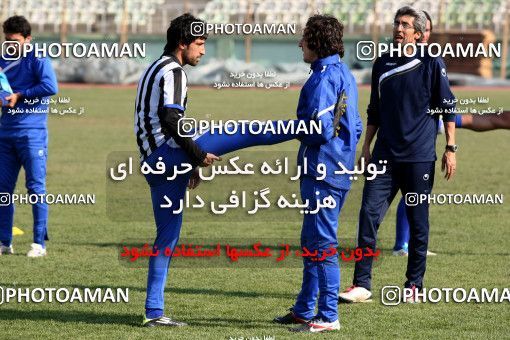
<point x="428" y="18"/>
<point x="323" y="35"/>
<point x="17" y="24"/>
<point x="179" y="31"/>
<point x="420" y="20"/>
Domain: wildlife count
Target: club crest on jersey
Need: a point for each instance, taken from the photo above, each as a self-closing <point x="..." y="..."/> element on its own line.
<point x="341" y="108"/>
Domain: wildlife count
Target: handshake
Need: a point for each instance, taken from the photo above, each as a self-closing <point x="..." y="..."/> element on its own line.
<point x="5" y="90"/>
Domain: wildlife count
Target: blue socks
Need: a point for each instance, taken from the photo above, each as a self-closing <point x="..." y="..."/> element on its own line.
<point x="458" y="121"/>
<point x="153" y="313"/>
<point x="402" y="234"/>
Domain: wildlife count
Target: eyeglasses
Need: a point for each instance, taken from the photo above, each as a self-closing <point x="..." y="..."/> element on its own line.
<point x="405" y="25"/>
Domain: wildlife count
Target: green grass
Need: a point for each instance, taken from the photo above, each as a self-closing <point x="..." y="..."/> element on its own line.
<point x="218" y="303"/>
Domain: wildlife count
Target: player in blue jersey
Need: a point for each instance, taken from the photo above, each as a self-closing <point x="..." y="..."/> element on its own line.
<point x="329" y="96"/>
<point x="403" y="90"/>
<point x="402" y="226"/>
<point x="23" y="131"/>
<point x="159" y="111"/>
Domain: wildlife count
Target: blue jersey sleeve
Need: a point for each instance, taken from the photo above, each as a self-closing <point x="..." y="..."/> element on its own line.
<point x="441" y="95"/>
<point x="359" y="127"/>
<point x="351" y="126"/>
<point x="47" y="85"/>
<point x="322" y="101"/>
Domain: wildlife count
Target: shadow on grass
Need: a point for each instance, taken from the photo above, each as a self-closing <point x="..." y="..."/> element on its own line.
<point x="133" y="320"/>
<point x="70" y="316"/>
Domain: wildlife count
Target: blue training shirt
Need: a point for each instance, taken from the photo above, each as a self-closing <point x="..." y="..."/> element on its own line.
<point x="34" y="78"/>
<point x="403" y="90"/>
<point x="330" y="82"/>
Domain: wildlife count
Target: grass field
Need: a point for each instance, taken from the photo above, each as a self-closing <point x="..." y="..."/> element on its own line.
<point x="472" y="241"/>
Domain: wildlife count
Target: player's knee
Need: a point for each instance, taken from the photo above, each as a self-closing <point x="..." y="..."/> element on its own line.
<point x="7" y="186"/>
<point x="36" y="188"/>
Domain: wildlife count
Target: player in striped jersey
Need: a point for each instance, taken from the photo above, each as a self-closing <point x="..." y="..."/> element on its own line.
<point x="481" y="123"/>
<point x="30" y="80"/>
<point x="406" y="138"/>
<point x="159" y="112"/>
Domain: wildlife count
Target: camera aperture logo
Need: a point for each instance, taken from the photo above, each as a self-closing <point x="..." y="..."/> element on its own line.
<point x="14" y="50"/>
<point x="6" y="199"/>
<point x="367" y="50"/>
<point x="394" y="295"/>
<point x="192" y="128"/>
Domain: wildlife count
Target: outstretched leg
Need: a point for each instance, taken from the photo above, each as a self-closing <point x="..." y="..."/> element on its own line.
<point x="270" y="133"/>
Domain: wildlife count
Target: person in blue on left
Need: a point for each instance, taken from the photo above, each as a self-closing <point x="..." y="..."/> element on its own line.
<point x="24" y="131"/>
